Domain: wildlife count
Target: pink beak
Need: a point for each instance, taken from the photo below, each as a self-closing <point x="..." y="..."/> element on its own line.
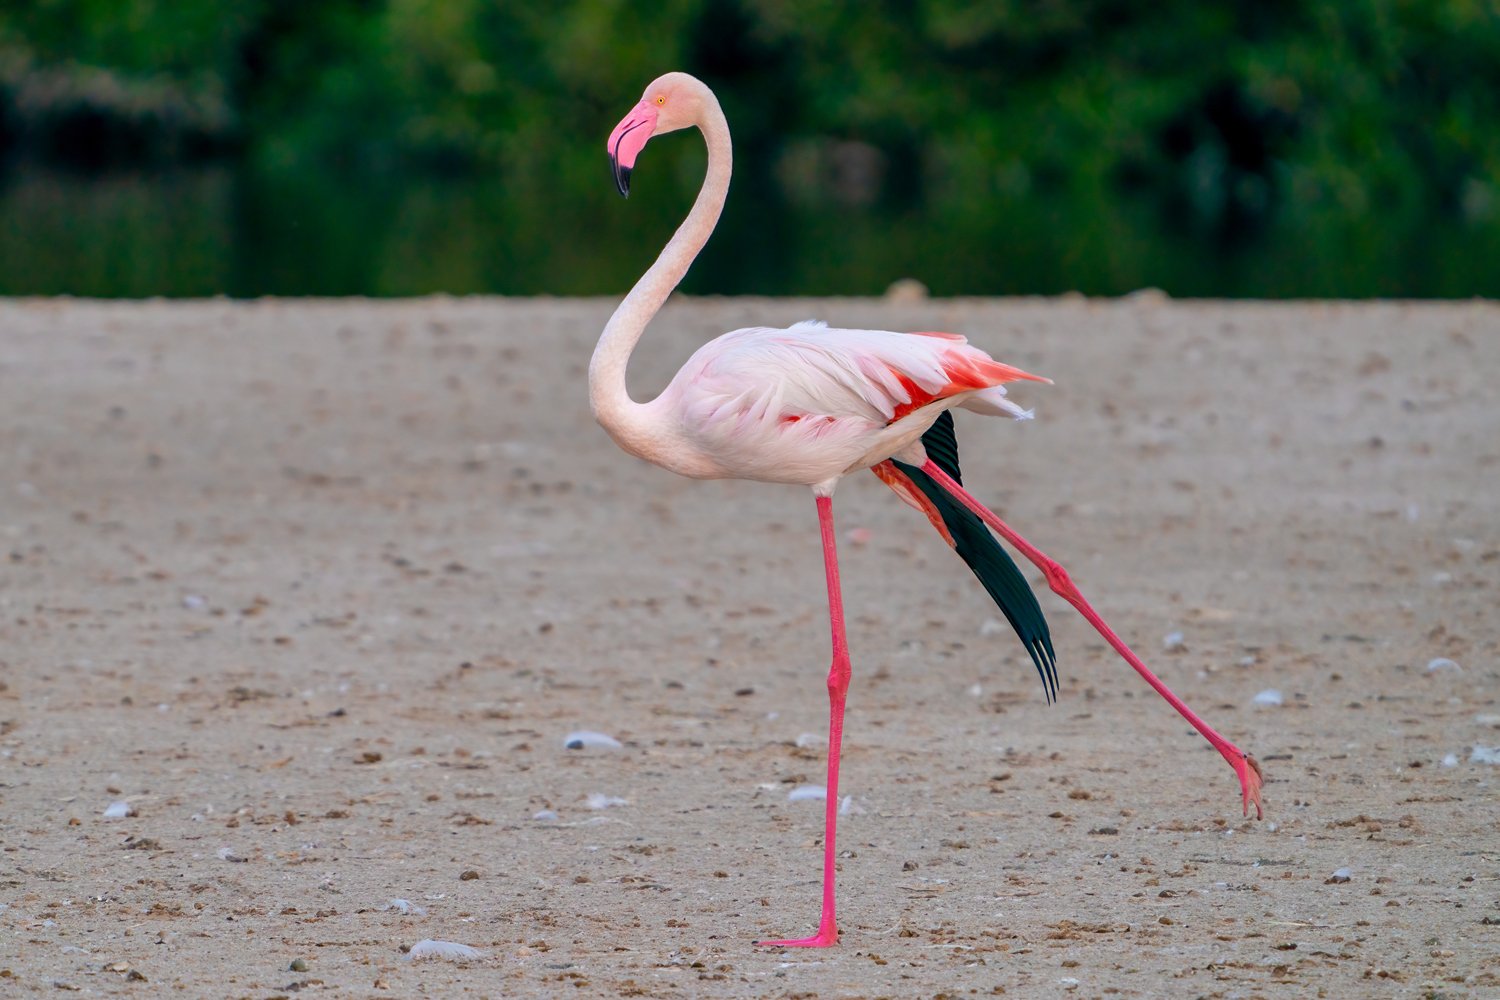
<point x="627" y="141"/>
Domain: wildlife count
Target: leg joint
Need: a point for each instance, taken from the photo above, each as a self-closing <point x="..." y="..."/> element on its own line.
<point x="839" y="675"/>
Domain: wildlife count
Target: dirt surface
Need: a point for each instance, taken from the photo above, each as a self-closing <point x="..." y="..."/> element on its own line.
<point x="319" y="589"/>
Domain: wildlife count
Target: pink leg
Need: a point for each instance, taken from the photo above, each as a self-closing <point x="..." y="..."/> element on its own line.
<point x="838" y="687"/>
<point x="1245" y="766"/>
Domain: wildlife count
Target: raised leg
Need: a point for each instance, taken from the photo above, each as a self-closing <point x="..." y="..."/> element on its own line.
<point x="838" y="687"/>
<point x="1245" y="766"/>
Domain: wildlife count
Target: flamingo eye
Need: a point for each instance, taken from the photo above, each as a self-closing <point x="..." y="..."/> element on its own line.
<point x="661" y="100"/>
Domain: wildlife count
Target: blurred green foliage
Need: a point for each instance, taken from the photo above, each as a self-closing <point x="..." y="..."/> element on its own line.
<point x="1355" y="125"/>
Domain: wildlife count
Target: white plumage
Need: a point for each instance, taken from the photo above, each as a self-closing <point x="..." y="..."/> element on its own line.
<point x="811" y="403"/>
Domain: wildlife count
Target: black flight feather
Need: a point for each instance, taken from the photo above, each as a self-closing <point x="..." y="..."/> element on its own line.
<point x="991" y="563"/>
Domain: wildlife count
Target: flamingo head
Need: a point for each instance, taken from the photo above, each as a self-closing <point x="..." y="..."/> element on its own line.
<point x="671" y="102"/>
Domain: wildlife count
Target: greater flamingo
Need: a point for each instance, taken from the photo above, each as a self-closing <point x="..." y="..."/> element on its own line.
<point x="808" y="405"/>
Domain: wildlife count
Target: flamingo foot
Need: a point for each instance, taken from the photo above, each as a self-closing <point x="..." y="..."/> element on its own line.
<point x="1251" y="779"/>
<point x="827" y="936"/>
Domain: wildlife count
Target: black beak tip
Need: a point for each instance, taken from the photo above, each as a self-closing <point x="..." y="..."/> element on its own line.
<point x="621" y="176"/>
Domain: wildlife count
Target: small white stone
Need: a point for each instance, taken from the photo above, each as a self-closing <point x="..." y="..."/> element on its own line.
<point x="448" y="951"/>
<point x="598" y="800"/>
<point x="1270" y="696"/>
<point x="1451" y="760"/>
<point x="1485" y="755"/>
<point x="804" y="792"/>
<point x="906" y="290"/>
<point x="585" y="739"/>
<point x="1442" y="663"/>
<point x="1173" y="641"/>
<point x="405" y="907"/>
<point x="118" y="810"/>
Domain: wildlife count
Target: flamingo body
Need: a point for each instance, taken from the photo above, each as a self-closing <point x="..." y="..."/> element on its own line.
<point x="808" y="405"/>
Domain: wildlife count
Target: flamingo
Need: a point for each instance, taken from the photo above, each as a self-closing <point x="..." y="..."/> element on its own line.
<point x="808" y="405"/>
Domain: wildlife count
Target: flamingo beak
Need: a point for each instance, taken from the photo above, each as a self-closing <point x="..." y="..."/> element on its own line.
<point x="627" y="141"/>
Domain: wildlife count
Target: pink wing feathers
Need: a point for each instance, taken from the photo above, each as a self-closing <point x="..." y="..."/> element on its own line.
<point x="788" y="405"/>
<point x="965" y="370"/>
<point x="810" y="370"/>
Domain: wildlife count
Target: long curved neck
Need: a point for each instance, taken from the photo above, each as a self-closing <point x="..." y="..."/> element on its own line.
<point x="621" y="416"/>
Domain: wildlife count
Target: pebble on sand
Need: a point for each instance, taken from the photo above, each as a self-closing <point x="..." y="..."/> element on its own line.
<point x="448" y="951"/>
<point x="804" y="792"/>
<point x="1442" y="663"/>
<point x="1342" y="875"/>
<point x="405" y="907"/>
<point x="1270" y="696"/>
<point x="1485" y="755"/>
<point x="119" y="810"/>
<point x="585" y="739"/>
<point x="598" y="800"/>
<point x="906" y="290"/>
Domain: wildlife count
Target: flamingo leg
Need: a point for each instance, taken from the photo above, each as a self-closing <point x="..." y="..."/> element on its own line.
<point x="838" y="686"/>
<point x="1245" y="766"/>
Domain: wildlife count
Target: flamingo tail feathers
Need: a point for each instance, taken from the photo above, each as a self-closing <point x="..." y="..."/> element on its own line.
<point x="984" y="554"/>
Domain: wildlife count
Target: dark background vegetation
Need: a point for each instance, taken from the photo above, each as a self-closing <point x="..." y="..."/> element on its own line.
<point x="1273" y="148"/>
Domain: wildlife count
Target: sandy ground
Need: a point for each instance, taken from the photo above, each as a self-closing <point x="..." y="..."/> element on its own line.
<point x="318" y="589"/>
